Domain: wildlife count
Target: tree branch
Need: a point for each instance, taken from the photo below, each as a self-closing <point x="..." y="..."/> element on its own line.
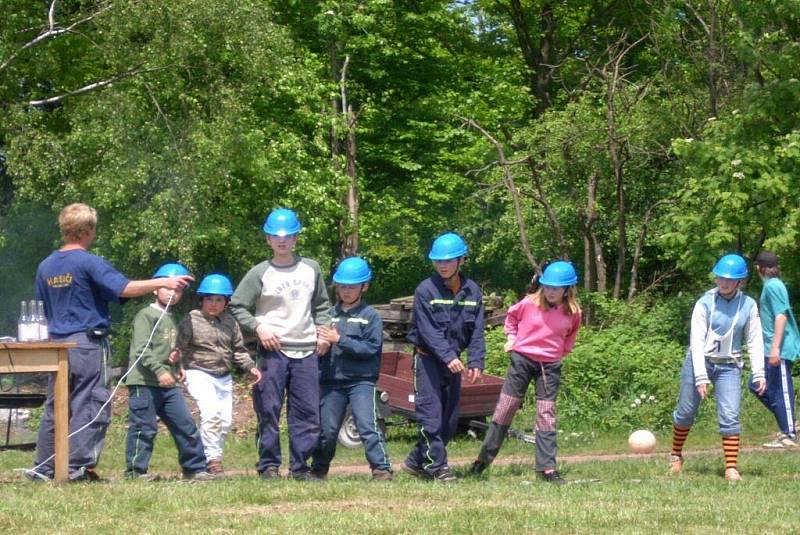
<point x="51" y="31"/>
<point x="91" y="87"/>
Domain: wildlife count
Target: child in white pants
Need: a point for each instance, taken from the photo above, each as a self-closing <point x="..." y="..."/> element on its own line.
<point x="209" y="344"/>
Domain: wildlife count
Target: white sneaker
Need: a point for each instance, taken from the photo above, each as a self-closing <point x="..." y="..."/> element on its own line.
<point x="783" y="441"/>
<point x="732" y="474"/>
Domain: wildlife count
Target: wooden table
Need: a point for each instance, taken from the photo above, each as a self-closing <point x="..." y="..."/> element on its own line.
<point x="31" y="357"/>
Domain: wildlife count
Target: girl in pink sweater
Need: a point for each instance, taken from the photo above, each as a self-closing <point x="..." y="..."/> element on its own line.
<point x="541" y="330"/>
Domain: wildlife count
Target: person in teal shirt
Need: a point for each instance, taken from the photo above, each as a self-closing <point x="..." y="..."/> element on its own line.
<point x="781" y="348"/>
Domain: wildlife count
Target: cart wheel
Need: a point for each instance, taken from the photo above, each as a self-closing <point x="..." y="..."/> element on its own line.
<point x="348" y="433"/>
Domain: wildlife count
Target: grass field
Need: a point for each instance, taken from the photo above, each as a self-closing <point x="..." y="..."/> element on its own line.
<point x="631" y="495"/>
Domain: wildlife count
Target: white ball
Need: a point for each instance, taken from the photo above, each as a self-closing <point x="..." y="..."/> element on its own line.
<point x="642" y="441"/>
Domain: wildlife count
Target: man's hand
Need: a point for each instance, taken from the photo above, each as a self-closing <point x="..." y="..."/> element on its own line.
<point x="775" y="358"/>
<point x="761" y="386"/>
<point x="176" y="283"/>
<point x="456" y="366"/>
<point x="255" y="373"/>
<point x="702" y="390"/>
<point x="166" y="380"/>
<point x="508" y="346"/>
<point x="268" y="338"/>
<point x="473" y="374"/>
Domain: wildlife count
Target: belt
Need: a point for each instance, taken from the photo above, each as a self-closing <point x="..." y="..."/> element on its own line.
<point x="722" y="360"/>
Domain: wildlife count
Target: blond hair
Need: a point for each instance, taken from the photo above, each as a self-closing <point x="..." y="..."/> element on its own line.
<point x="76" y="220"/>
<point x="570" y="302"/>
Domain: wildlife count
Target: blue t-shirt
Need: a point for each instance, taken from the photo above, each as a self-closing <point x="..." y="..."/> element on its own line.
<point x="76" y="288"/>
<point x="775" y="301"/>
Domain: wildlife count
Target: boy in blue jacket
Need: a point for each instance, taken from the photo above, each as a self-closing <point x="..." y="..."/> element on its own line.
<point x="348" y="373"/>
<point x="447" y="320"/>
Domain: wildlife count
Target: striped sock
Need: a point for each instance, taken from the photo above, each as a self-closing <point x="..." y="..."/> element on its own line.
<point x="730" y="446"/>
<point x="679" y="435"/>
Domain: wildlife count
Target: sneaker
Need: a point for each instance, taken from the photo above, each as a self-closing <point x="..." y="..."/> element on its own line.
<point x="675" y="464"/>
<point x="85" y="475"/>
<point x="415" y="471"/>
<point x="478" y="468"/>
<point x="732" y="474"/>
<point x="305" y="476"/>
<point x="202" y="475"/>
<point x="382" y="475"/>
<point x="444" y="475"/>
<point x="215" y="467"/>
<point x="271" y="473"/>
<point x="36" y="477"/>
<point x="553" y="477"/>
<point x="137" y="476"/>
<point x="783" y="441"/>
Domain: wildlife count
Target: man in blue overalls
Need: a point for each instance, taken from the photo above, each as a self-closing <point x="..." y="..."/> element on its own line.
<point x="448" y="318"/>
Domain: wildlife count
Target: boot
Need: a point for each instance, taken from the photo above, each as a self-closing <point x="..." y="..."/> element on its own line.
<point x="215" y="467"/>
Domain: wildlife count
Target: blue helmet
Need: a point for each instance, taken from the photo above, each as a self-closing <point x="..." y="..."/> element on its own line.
<point x="215" y="284"/>
<point x="559" y="274"/>
<point x="171" y="270"/>
<point x="731" y="266"/>
<point x="448" y="246"/>
<point x="353" y="270"/>
<point x="282" y="222"/>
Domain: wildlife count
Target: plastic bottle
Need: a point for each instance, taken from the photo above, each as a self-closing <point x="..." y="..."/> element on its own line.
<point x="43" y="332"/>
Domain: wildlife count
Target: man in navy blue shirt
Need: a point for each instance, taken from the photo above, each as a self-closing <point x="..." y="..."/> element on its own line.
<point x="76" y="287"/>
<point x="448" y="319"/>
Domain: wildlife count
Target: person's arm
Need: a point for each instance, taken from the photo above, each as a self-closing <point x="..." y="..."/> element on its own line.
<point x="431" y="334"/>
<point x="142" y="327"/>
<point x="569" y="342"/>
<point x="701" y="323"/>
<point x="511" y="324"/>
<point x="144" y="287"/>
<point x="476" y="349"/>
<point x="755" y="345"/>
<point x="777" y="300"/>
<point x="240" y="355"/>
<point x="366" y="344"/>
<point x="320" y="305"/>
<point x="245" y="297"/>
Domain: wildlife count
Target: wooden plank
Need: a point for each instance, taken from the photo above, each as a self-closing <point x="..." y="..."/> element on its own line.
<point x="61" y="413"/>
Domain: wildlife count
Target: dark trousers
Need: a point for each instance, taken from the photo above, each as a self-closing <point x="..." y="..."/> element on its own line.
<point x="779" y="396"/>
<point x="298" y="380"/>
<point x="87" y="393"/>
<point x="547" y="378"/>
<point x="333" y="406"/>
<point x="437" y="392"/>
<point x="144" y="403"/>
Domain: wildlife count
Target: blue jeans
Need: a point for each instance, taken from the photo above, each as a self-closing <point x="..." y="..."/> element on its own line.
<point x="333" y="405"/>
<point x="726" y="379"/>
<point x="144" y="403"/>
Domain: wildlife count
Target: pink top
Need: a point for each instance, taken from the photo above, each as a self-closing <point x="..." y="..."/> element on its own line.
<point x="541" y="335"/>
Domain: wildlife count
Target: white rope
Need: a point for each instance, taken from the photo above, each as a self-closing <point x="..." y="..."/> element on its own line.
<point x="131" y="366"/>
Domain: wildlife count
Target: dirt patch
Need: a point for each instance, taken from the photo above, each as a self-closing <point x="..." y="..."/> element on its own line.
<point x="244" y="418"/>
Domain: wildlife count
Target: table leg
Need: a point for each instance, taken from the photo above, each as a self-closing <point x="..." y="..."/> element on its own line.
<point x="61" y="413"/>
